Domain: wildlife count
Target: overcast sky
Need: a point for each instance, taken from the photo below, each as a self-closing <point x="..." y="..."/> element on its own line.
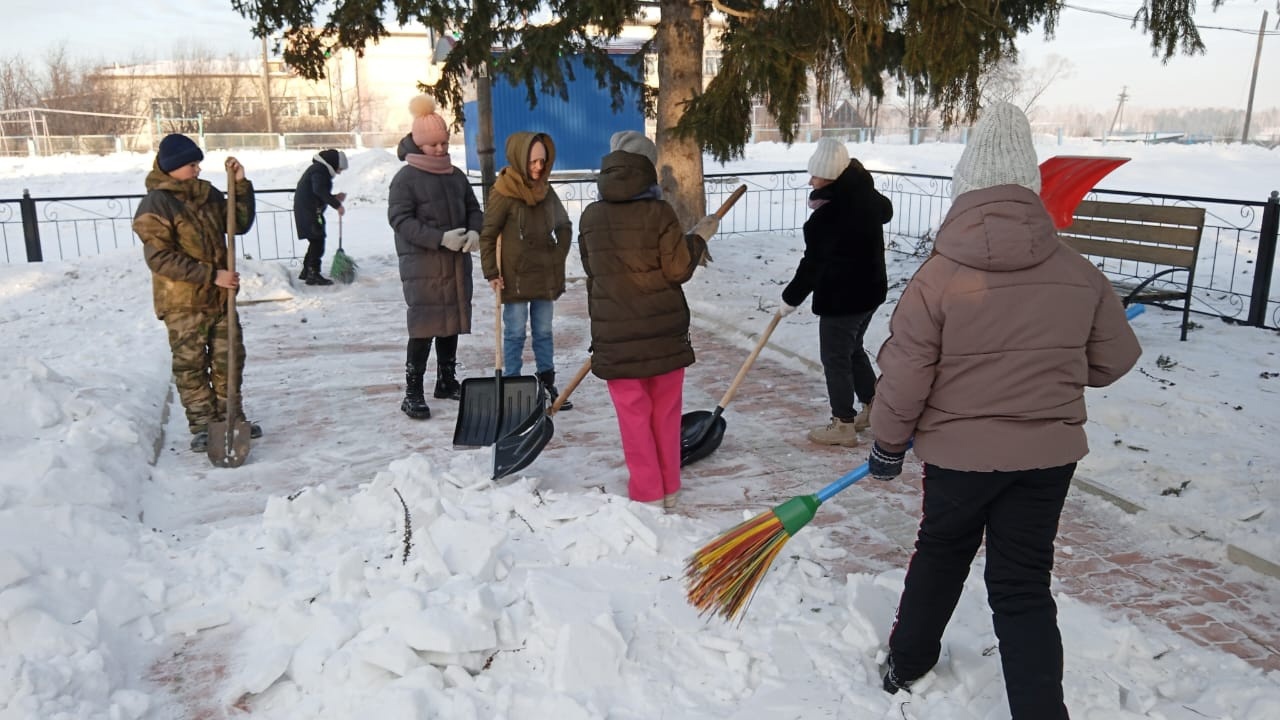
<point x="1106" y="55"/>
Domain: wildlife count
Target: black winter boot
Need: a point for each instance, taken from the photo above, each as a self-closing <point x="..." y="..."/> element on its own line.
<point x="414" y="404"/>
<point x="548" y="380"/>
<point x="313" y="276"/>
<point x="447" y="385"/>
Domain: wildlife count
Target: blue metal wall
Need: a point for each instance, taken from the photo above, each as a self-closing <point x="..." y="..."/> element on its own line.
<point x="580" y="126"/>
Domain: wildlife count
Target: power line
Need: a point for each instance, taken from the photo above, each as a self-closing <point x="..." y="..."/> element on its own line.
<point x="1129" y="19"/>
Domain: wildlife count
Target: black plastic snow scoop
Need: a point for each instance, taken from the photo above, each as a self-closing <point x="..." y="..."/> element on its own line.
<point x="494" y="408"/>
<point x="514" y="452"/>
<point x="701" y="432"/>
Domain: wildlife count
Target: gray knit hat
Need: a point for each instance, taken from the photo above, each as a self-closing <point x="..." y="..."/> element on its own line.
<point x="829" y="159"/>
<point x="1000" y="152"/>
<point x="634" y="142"/>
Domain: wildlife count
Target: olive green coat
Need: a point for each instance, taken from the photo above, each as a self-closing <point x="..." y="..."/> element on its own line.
<point x="535" y="238"/>
<point x="183" y="228"/>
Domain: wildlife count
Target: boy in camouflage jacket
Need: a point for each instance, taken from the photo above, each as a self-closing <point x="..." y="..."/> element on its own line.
<point x="182" y="225"/>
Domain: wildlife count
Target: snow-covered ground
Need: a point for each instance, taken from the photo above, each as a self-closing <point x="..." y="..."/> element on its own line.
<point x="528" y="599"/>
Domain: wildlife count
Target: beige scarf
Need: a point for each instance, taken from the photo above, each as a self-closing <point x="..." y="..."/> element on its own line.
<point x="514" y="185"/>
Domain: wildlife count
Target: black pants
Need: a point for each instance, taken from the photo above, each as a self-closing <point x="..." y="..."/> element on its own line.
<point x="315" y="253"/>
<point x="419" y="349"/>
<point x="1019" y="513"/>
<point x="845" y="363"/>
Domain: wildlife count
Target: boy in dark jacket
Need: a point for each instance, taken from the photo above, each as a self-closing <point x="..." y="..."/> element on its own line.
<point x="313" y="194"/>
<point x="843" y="266"/>
<point x="636" y="258"/>
<point x="182" y="223"/>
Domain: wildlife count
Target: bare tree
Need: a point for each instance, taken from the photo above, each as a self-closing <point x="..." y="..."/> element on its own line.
<point x="17" y="83"/>
<point x="1014" y="82"/>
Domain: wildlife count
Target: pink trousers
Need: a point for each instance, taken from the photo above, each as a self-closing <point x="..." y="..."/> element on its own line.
<point x="649" y="412"/>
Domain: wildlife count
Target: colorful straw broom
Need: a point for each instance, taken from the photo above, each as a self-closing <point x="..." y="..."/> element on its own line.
<point x="722" y="576"/>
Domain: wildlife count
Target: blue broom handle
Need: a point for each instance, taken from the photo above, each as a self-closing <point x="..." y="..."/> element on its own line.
<point x="1134" y="311"/>
<point x="850" y="478"/>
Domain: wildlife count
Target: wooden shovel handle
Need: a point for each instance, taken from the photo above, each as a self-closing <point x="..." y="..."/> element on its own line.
<point x="497" y="308"/>
<point x="728" y="204"/>
<point x="742" y="372"/>
<point x="573" y="384"/>
<point x="233" y="322"/>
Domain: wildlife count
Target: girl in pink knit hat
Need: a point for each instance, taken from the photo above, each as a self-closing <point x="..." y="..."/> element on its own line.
<point x="436" y="217"/>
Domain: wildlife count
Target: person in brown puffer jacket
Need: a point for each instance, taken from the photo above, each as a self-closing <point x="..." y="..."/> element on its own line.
<point x="636" y="258"/>
<point x="182" y="223"/>
<point x="991" y="346"/>
<point x="524" y="210"/>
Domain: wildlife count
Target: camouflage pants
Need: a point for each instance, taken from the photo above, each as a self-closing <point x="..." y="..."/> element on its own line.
<point x="198" y="341"/>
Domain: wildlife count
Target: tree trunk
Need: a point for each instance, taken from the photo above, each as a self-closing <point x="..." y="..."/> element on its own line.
<point x="679" y="47"/>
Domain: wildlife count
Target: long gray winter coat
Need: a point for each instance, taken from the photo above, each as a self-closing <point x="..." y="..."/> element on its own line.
<point x="436" y="280"/>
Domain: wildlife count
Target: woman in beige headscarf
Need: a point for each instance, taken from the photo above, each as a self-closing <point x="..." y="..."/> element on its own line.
<point x="526" y="212"/>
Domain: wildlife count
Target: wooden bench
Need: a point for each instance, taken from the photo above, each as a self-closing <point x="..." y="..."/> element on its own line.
<point x="1165" y="238"/>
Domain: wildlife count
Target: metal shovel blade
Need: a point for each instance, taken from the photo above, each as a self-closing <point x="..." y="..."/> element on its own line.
<point x="513" y="452"/>
<point x="491" y="408"/>
<point x="701" y="432"/>
<point x="228" y="442"/>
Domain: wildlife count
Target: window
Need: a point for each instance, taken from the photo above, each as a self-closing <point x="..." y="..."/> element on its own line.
<point x="167" y="107"/>
<point x="651" y="67"/>
<point x="284" y="107"/>
<point x="244" y="106"/>
<point x="711" y="63"/>
<point x="318" y="106"/>
<point x="208" y="107"/>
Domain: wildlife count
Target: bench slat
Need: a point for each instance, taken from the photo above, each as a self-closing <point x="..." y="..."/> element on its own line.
<point x="1168" y="214"/>
<point x="1133" y="232"/>
<point x="1175" y="257"/>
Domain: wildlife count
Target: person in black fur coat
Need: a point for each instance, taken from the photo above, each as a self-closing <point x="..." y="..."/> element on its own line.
<point x="843" y="267"/>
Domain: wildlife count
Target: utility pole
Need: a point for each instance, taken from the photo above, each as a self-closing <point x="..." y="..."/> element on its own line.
<point x="1124" y="95"/>
<point x="1257" y="58"/>
<point x="266" y="86"/>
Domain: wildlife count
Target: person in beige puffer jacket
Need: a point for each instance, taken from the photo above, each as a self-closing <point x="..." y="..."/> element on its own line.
<point x="991" y="346"/>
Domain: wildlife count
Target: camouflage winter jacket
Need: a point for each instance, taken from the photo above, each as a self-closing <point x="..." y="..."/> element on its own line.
<point x="183" y="228"/>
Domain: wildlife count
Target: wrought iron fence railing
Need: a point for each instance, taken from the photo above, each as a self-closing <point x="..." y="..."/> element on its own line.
<point x="1235" y="273"/>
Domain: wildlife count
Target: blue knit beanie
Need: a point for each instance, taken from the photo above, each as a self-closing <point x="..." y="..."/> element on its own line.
<point x="177" y="150"/>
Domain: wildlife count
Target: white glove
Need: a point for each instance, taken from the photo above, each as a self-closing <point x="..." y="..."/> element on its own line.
<point x="786" y="309"/>
<point x="473" y="242"/>
<point x="454" y="239"/>
<point x="706" y="227"/>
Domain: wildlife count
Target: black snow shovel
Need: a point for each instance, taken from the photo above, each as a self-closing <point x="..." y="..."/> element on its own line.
<point x="490" y="409"/>
<point x="515" y="451"/>
<point x="700" y="431"/>
<point x="229" y="437"/>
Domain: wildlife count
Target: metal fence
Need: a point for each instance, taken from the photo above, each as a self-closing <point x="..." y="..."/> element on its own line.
<point x="1235" y="273"/>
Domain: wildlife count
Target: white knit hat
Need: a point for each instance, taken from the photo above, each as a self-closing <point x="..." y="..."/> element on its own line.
<point x="829" y="159"/>
<point x="1000" y="152"/>
<point x="634" y="142"/>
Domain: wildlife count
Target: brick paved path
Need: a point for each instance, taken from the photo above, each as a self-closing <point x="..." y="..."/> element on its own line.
<point x="1106" y="558"/>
